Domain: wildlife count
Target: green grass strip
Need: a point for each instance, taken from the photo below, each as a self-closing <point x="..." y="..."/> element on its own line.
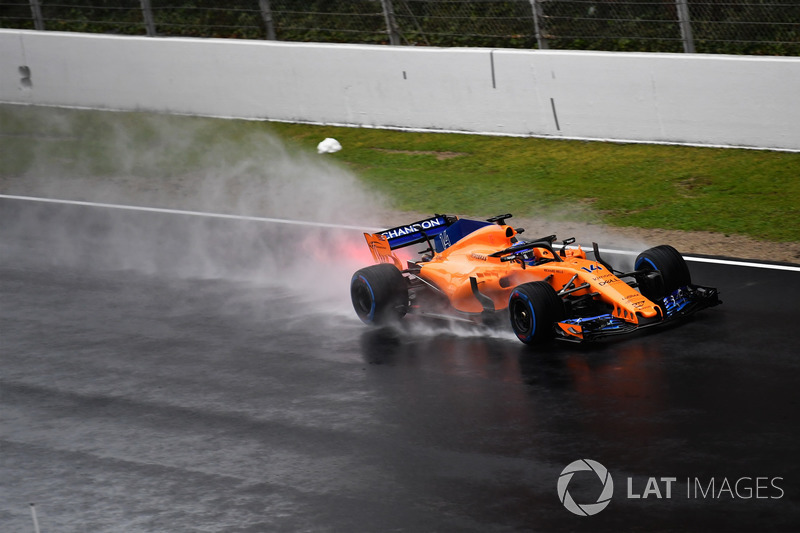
<point x="730" y="191"/>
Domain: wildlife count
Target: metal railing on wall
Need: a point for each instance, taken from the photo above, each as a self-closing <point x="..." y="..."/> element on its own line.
<point x="706" y="26"/>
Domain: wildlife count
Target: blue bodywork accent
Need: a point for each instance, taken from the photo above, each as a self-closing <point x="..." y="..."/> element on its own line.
<point x="599" y="323"/>
<point x="416" y="232"/>
<point x="676" y="302"/>
<point x="457" y="231"/>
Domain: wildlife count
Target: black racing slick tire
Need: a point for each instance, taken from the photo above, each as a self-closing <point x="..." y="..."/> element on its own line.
<point x="379" y="294"/>
<point x="534" y="308"/>
<point x="670" y="263"/>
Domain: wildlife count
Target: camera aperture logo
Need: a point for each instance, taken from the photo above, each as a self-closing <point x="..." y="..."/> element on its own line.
<point x="585" y="509"/>
<point x="742" y="489"/>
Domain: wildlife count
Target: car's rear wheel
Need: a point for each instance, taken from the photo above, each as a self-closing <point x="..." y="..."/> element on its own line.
<point x="670" y="263"/>
<point x="534" y="308"/>
<point x="379" y="294"/>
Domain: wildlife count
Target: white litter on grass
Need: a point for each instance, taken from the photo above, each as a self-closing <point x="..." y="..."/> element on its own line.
<point x="329" y="146"/>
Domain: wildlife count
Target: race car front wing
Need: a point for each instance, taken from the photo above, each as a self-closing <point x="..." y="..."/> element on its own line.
<point x="683" y="302"/>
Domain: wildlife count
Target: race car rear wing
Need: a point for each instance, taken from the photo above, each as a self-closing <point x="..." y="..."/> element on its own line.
<point x="382" y="244"/>
<point x="417" y="232"/>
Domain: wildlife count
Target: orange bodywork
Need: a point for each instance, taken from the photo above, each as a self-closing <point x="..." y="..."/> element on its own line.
<point x="381" y="251"/>
<point x="471" y="257"/>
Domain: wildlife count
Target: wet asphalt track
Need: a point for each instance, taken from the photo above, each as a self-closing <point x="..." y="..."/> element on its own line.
<point x="138" y="397"/>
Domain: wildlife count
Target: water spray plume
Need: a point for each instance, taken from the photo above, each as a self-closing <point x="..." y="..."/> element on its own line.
<point x="186" y="163"/>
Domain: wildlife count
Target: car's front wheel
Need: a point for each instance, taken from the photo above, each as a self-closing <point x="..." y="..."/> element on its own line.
<point x="379" y="294"/>
<point x="670" y="263"/>
<point x="534" y="308"/>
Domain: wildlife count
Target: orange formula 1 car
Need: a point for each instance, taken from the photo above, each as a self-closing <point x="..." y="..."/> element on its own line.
<point x="480" y="270"/>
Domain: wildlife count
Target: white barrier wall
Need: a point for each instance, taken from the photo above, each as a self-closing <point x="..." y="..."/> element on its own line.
<point x="698" y="99"/>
